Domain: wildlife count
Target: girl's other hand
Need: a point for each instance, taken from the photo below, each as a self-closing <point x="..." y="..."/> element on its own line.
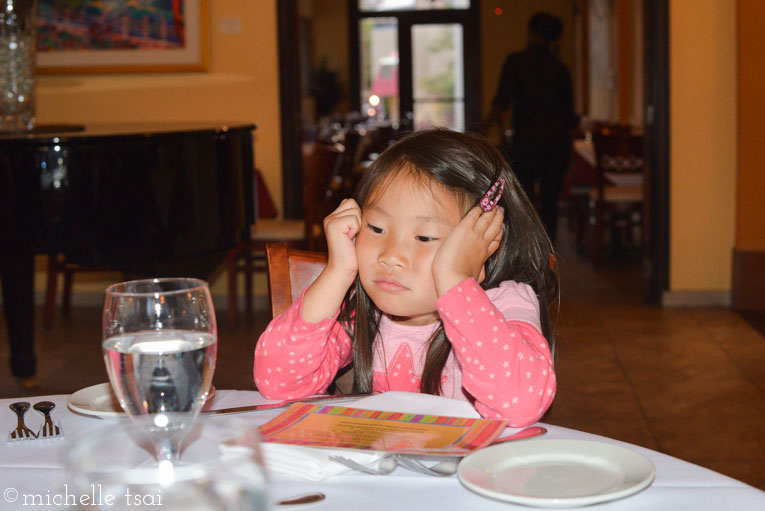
<point x="467" y="247"/>
<point x="340" y="228"/>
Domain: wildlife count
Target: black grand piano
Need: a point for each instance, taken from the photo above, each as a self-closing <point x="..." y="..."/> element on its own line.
<point x="144" y="199"/>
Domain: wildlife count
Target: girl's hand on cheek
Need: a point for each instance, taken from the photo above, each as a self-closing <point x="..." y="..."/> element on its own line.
<point x="340" y="228"/>
<point x="467" y="247"/>
<point x="324" y="296"/>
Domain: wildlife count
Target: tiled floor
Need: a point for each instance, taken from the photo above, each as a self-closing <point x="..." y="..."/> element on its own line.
<point x="687" y="382"/>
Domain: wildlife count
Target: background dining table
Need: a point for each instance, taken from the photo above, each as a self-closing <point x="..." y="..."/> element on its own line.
<point x="35" y="467"/>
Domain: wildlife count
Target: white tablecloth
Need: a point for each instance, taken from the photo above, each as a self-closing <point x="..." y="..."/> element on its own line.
<point x="33" y="467"/>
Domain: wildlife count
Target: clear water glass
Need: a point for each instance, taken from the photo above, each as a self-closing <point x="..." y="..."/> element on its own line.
<point x="112" y="467"/>
<point x="159" y="340"/>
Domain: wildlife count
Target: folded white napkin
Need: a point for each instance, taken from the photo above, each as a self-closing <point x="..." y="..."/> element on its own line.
<point x="313" y="463"/>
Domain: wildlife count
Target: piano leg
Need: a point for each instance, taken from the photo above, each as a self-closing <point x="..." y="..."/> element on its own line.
<point x="17" y="279"/>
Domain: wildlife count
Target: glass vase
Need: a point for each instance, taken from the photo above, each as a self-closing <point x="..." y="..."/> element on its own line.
<point x="17" y="64"/>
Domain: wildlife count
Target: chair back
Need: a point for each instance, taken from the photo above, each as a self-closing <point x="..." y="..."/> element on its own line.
<point x="319" y="197"/>
<point x="618" y="201"/>
<point x="290" y="272"/>
<point x="619" y="158"/>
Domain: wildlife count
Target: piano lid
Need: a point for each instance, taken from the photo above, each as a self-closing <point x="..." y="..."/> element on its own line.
<point x="76" y="133"/>
<point x="150" y="199"/>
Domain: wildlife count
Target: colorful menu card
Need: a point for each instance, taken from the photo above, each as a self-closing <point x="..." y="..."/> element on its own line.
<point x="355" y="428"/>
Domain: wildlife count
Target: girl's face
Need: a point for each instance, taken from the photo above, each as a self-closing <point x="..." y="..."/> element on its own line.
<point x="401" y="230"/>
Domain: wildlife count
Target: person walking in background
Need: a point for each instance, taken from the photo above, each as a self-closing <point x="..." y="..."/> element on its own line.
<point x="537" y="85"/>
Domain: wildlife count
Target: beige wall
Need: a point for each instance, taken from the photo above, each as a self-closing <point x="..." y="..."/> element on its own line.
<point x="242" y="85"/>
<point x="703" y="143"/>
<point x="505" y="33"/>
<point x="750" y="217"/>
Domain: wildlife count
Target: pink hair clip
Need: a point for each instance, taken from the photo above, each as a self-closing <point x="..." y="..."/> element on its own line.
<point x="491" y="197"/>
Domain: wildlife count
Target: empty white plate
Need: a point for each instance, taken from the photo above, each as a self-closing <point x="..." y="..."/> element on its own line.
<point x="100" y="401"/>
<point x="556" y="473"/>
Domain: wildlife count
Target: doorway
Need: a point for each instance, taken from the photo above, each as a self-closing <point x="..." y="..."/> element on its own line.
<point x="448" y="23"/>
<point x="408" y="65"/>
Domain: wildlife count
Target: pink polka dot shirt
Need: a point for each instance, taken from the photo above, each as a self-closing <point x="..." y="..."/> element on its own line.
<point x="500" y="361"/>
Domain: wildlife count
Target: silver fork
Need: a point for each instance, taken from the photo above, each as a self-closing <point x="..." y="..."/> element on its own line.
<point x="444" y="468"/>
<point x="448" y="466"/>
<point x="22" y="432"/>
<point x="384" y="467"/>
<point x="48" y="429"/>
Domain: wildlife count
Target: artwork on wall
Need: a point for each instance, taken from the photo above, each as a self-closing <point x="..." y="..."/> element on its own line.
<point x="116" y="36"/>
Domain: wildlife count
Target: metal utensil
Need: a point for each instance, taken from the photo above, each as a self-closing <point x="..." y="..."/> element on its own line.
<point x="448" y="467"/>
<point x="298" y="500"/>
<point x="288" y="402"/>
<point x="22" y="432"/>
<point x="48" y="429"/>
<point x="384" y="467"/>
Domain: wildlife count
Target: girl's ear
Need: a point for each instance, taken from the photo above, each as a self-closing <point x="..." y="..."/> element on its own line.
<point x="482" y="275"/>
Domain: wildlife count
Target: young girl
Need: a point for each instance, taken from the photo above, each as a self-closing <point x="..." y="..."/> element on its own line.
<point x="433" y="283"/>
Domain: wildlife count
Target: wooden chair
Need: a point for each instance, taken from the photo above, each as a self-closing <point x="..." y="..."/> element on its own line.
<point x="322" y="191"/>
<point x="616" y="202"/>
<point x="318" y="201"/>
<point x="345" y="177"/>
<point x="290" y="272"/>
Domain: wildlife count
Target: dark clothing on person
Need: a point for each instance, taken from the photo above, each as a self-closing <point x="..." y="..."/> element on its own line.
<point x="538" y="86"/>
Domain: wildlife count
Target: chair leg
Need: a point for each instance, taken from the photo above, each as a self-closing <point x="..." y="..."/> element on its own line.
<point x="50" y="291"/>
<point x="232" y="292"/>
<point x="66" y="302"/>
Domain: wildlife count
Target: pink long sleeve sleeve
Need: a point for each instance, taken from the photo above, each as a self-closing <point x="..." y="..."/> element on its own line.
<point x="295" y="358"/>
<point x="506" y="362"/>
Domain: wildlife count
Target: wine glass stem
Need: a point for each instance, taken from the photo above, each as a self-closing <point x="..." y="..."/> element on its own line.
<point x="167" y="451"/>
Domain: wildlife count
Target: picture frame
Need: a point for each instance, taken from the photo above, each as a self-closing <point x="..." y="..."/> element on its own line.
<point x="92" y="36"/>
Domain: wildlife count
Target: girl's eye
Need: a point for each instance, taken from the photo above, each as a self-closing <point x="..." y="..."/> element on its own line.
<point x="375" y="229"/>
<point x="425" y="239"/>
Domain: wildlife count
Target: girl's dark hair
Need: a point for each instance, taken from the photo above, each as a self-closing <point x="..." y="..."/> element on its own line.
<point x="467" y="165"/>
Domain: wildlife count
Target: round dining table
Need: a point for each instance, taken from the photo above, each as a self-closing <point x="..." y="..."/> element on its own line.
<point x="34" y="467"/>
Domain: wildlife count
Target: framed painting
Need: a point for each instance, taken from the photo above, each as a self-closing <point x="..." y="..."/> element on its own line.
<point x="119" y="36"/>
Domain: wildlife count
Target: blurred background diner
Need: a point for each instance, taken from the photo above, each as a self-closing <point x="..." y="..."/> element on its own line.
<point x="661" y="226"/>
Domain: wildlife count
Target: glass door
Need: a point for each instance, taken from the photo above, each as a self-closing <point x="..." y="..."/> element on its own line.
<point x="379" y="80"/>
<point x="438" y="77"/>
<point x="412" y="67"/>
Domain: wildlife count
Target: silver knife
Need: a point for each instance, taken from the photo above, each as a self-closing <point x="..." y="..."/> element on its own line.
<point x="284" y="404"/>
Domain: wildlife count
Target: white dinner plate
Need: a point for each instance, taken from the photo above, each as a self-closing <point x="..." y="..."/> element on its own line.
<point x="556" y="473"/>
<point x="100" y="401"/>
